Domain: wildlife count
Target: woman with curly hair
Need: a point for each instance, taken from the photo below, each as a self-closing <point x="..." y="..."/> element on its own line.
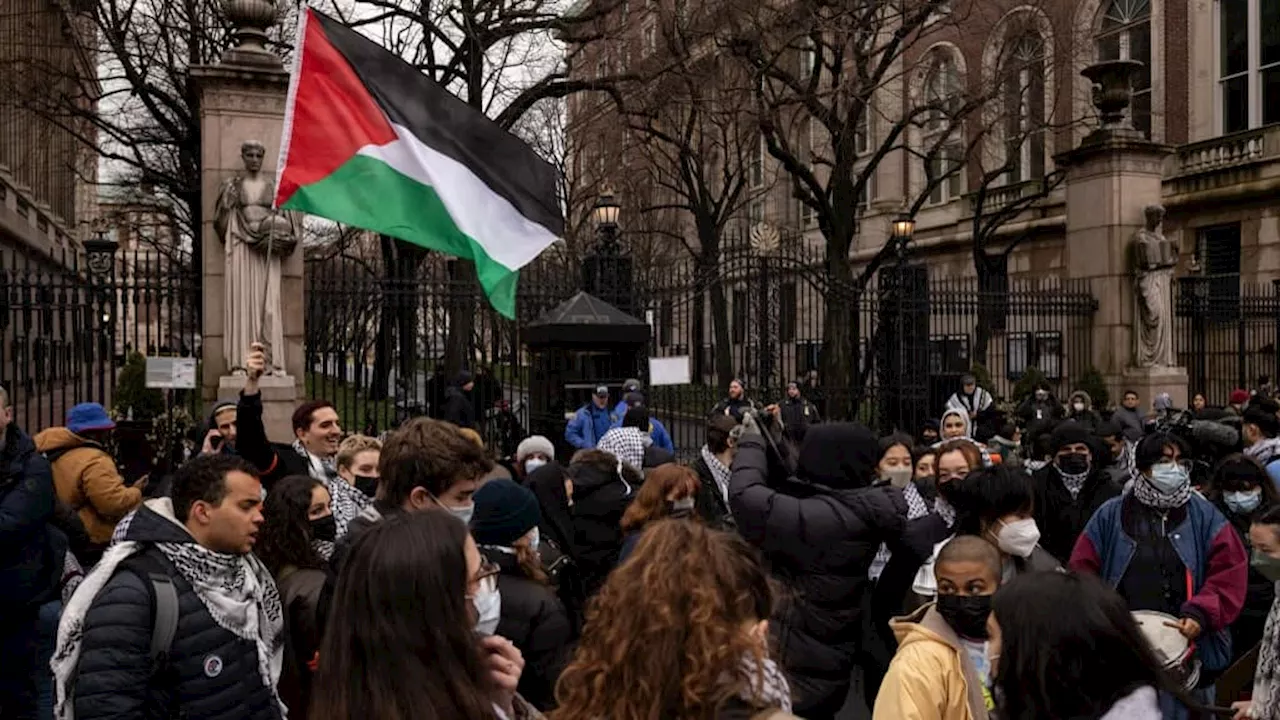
<point x="297" y="533"/>
<point x="678" y="631"/>
<point x="670" y="491"/>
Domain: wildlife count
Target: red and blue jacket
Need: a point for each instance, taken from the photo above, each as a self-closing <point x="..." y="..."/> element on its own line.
<point x="1207" y="545"/>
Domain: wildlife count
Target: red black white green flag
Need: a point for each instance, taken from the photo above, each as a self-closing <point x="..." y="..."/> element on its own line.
<point x="371" y="142"/>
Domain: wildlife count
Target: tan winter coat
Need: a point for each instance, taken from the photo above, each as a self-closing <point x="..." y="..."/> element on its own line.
<point x="87" y="480"/>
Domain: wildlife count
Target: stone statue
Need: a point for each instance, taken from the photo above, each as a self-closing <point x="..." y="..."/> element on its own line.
<point x="1154" y="259"/>
<point x="256" y="237"/>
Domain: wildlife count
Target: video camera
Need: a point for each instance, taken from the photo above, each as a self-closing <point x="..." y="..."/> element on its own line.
<point x="1209" y="440"/>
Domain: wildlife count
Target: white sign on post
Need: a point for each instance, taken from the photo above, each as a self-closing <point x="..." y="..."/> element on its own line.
<point x="166" y="373"/>
<point x="669" y="371"/>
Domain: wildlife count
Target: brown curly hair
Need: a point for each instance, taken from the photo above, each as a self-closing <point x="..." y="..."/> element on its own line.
<point x="665" y="637"/>
<point x="651" y="502"/>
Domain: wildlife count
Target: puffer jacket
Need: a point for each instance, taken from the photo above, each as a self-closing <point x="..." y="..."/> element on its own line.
<point x="86" y="478"/>
<point x="1060" y="517"/>
<point x="1087" y="417"/>
<point x="600" y="497"/>
<point x="535" y="621"/>
<point x="819" y="532"/>
<point x="29" y="566"/>
<point x="931" y="675"/>
<point x="211" y="673"/>
<point x="300" y="590"/>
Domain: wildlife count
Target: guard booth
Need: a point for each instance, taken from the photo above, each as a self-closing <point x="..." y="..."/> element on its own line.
<point x="574" y="348"/>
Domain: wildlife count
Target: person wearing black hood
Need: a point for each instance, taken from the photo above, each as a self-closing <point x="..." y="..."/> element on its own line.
<point x="458" y="408"/>
<point x="819" y="531"/>
<point x="736" y="403"/>
<point x="1070" y="489"/>
<point x="603" y="488"/>
<point x="553" y="488"/>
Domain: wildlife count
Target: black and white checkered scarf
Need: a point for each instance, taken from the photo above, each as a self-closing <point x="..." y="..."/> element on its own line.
<point x="627" y="444"/>
<point x="719" y="472"/>
<point x="766" y="686"/>
<point x="1151" y="496"/>
<point x="346" y="500"/>
<point x="237" y="590"/>
<point x="917" y="507"/>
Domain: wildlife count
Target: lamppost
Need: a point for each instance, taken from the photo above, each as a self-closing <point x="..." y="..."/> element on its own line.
<point x="902" y="228"/>
<point x="605" y="213"/>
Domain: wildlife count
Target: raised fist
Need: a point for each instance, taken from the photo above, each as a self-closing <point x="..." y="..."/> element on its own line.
<point x="255" y="363"/>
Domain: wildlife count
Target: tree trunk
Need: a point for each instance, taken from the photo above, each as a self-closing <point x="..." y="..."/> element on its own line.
<point x="839" y="361"/>
<point x="723" y="347"/>
<point x="993" y="302"/>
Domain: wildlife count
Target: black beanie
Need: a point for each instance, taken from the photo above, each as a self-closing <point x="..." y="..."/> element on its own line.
<point x="1070" y="433"/>
<point x="504" y="513"/>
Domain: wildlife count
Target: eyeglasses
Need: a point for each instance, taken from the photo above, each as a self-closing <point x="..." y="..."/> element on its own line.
<point x="1187" y="465"/>
<point x="486" y="580"/>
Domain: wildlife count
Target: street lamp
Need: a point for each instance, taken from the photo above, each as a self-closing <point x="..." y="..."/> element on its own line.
<point x="903" y="227"/>
<point x="605" y="213"/>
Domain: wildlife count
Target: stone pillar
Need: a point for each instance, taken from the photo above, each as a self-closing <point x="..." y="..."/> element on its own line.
<point x="1112" y="177"/>
<point x="243" y="98"/>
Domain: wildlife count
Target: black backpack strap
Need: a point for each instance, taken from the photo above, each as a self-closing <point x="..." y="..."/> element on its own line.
<point x="164" y="604"/>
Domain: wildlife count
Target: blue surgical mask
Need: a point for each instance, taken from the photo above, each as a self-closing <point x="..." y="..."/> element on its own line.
<point x="1243" y="503"/>
<point x="1169" y="477"/>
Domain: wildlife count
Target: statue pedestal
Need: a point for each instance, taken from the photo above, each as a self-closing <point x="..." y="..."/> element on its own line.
<point x="1149" y="382"/>
<point x="279" y="398"/>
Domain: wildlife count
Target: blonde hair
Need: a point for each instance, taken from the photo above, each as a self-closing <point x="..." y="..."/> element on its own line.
<point x="353" y="446"/>
<point x="471" y="435"/>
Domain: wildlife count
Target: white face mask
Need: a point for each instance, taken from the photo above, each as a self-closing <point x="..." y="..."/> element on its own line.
<point x="1018" y="538"/>
<point x="488" y="611"/>
<point x="462" y="512"/>
<point x="1079" y="407"/>
<point x="532" y="464"/>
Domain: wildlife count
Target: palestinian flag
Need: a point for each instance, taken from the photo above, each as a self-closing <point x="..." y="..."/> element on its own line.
<point x="371" y="142"/>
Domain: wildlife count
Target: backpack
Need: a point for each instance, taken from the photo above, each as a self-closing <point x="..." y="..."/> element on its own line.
<point x="164" y="606"/>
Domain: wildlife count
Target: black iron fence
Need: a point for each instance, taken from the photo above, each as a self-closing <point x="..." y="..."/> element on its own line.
<point x="74" y="327"/>
<point x="1226" y="333"/>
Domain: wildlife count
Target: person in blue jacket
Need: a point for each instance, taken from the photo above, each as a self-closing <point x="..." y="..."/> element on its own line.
<point x="591" y="421"/>
<point x="657" y="431"/>
<point x="631" y="386"/>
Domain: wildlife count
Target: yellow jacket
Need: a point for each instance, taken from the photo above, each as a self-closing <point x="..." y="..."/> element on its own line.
<point x="930" y="677"/>
<point x="86" y="478"/>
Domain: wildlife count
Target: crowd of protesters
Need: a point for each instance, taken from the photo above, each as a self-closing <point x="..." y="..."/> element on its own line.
<point x="1034" y="560"/>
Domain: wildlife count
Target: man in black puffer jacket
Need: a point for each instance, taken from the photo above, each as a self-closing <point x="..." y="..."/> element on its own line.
<point x="200" y="541"/>
<point x="819" y="532"/>
<point x="30" y="562"/>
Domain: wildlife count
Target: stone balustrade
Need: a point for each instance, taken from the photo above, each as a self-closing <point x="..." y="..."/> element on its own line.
<point x="1229" y="167"/>
<point x="33" y="222"/>
<point x="1228" y="151"/>
<point x="997" y="198"/>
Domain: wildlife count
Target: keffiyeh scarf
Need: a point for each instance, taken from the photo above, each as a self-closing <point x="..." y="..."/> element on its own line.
<point x="1264" y="451"/>
<point x="627" y="444"/>
<point x="1266" y="679"/>
<point x="766" y="686"/>
<point x="346" y="500"/>
<point x="917" y="507"/>
<point x="1073" y="483"/>
<point x="719" y="472"/>
<point x="237" y="590"/>
<point x="1152" y="497"/>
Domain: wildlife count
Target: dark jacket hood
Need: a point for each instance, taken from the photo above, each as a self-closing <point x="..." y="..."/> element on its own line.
<point x="596" y="469"/>
<point x="454" y="391"/>
<point x="840" y="456"/>
<point x="18" y="446"/>
<point x="154" y="522"/>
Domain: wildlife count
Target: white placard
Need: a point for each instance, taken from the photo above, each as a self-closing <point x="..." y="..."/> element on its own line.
<point x="168" y="373"/>
<point x="669" y="370"/>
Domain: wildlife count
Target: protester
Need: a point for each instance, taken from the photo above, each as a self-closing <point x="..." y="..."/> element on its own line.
<point x="630" y="442"/>
<point x="680" y="630"/>
<point x="1039" y="444"/>
<point x="553" y="488"/>
<point x="1237" y="401"/>
<point x="1264" y="703"/>
<point x="1165" y="548"/>
<point x="1128" y="417"/>
<point x="1006" y="445"/>
<point x="603" y="488"/>
<point x="273" y="461"/>
<point x="942" y="666"/>
<point x="1080" y="410"/>
<point x="797" y="413"/>
<point x="930" y="433"/>
<point x="221" y="436"/>
<point x="994" y="504"/>
<point x="1065" y="646"/>
<point x="1261" y="430"/>
<point x="926" y="470"/>
<point x="298" y="532"/>
<point x="657" y="431"/>
<point x="893" y="464"/>
<point x="532" y="453"/>
<point x="414" y="614"/>
<point x="1069" y="490"/>
<point x="458" y="407"/>
<point x="357" y="463"/>
<point x="31" y="562"/>
<point x="226" y="659"/>
<point x="591" y="421"/>
<point x="969" y="399"/>
<point x="956" y="426"/>
<point x="736" y="403"/>
<point x="505" y="528"/>
<point x="1121" y="470"/>
<point x="819" y="533"/>
<point x="1198" y="402"/>
<point x="316" y="426"/>
<point x="1039" y="406"/>
<point x="1240" y="489"/>
<point x="671" y="491"/>
<point x="712" y="467"/>
<point x="85" y="474"/>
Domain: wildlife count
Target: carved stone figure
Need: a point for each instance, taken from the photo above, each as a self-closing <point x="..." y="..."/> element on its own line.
<point x="256" y="238"/>
<point x="1154" y="259"/>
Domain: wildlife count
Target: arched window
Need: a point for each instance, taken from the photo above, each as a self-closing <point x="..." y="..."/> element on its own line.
<point x="941" y="95"/>
<point x="1023" y="86"/>
<point x="1125" y="34"/>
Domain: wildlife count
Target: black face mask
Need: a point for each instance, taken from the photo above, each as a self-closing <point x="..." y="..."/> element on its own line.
<point x="367" y="485"/>
<point x="325" y="528"/>
<point x="966" y="614"/>
<point x="1073" y="463"/>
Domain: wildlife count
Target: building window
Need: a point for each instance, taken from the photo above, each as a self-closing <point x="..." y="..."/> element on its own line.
<point x="602" y="69"/>
<point x="1248" y="64"/>
<point x="862" y="132"/>
<point x="805" y="215"/>
<point x="941" y="133"/>
<point x="1042" y="350"/>
<point x="808" y="56"/>
<point x="1218" y="255"/>
<point x="755" y="212"/>
<point x="1125" y="34"/>
<point x="1024" y="87"/>
<point x="787" y="312"/>
<point x="648" y="40"/>
<point x="757" y="164"/>
<point x="948" y="354"/>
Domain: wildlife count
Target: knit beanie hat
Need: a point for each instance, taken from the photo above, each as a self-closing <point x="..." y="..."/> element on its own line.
<point x="535" y="444"/>
<point x="504" y="513"/>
